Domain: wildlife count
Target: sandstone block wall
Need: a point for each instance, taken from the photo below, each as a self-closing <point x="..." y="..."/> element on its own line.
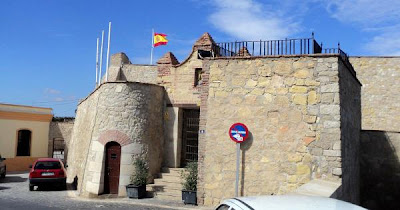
<point x="291" y="106"/>
<point x="380" y="96"/>
<point x="178" y="81"/>
<point x="139" y="73"/>
<point x="128" y="113"/>
<point x="121" y="69"/>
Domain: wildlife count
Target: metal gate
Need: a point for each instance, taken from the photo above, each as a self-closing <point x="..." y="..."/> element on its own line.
<point x="190" y="135"/>
<point x="58" y="148"/>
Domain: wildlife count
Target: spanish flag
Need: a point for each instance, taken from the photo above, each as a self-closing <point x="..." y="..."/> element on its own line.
<point x="160" y="39"/>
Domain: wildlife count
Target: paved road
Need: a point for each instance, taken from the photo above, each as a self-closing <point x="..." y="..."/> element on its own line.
<point x="14" y="194"/>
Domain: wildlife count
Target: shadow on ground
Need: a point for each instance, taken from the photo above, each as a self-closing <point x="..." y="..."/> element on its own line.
<point x="4" y="188"/>
<point x="12" y="178"/>
<point x="380" y="170"/>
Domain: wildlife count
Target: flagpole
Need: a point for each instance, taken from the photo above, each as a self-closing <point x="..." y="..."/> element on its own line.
<point x="152" y="47"/>
<point x="97" y="61"/>
<point x="101" y="54"/>
<point x="108" y="49"/>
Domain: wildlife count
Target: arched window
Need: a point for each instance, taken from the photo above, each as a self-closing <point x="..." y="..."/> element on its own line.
<point x="24" y="143"/>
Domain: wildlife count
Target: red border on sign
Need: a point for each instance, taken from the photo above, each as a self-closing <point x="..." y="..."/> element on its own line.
<point x="244" y="137"/>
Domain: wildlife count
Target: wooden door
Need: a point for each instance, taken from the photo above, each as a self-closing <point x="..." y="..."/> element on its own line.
<point x="111" y="173"/>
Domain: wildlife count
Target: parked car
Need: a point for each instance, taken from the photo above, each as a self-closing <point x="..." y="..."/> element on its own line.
<point x="3" y="167"/>
<point x="47" y="172"/>
<point x="286" y="202"/>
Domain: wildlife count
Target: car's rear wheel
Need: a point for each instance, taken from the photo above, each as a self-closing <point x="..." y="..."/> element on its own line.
<point x="31" y="187"/>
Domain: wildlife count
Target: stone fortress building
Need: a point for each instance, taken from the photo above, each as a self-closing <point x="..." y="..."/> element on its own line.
<point x="313" y="114"/>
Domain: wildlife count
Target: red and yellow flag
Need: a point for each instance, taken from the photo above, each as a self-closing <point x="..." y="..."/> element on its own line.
<point x="160" y="39"/>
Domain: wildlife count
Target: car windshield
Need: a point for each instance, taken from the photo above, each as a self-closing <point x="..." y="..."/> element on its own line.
<point x="48" y="165"/>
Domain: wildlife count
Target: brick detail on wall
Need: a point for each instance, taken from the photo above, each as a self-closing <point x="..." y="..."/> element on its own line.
<point x="114" y="135"/>
<point x="202" y="136"/>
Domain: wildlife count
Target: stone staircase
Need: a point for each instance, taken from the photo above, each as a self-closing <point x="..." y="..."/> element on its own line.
<point x="168" y="186"/>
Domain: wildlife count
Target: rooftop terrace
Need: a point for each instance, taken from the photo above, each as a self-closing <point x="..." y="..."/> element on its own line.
<point x="284" y="47"/>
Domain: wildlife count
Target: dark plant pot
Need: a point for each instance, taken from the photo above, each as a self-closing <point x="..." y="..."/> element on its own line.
<point x="189" y="197"/>
<point x="136" y="191"/>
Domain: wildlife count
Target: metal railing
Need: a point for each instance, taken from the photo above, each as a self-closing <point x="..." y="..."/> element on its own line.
<point x="261" y="48"/>
<point x="268" y="48"/>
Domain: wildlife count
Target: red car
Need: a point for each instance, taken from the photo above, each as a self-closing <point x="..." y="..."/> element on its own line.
<point x="47" y="172"/>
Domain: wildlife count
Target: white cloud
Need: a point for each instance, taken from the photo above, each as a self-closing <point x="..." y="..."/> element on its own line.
<point x="387" y="43"/>
<point x="277" y="19"/>
<point x="380" y="18"/>
<point x="251" y="20"/>
<point x="51" y="91"/>
<point x="365" y="12"/>
<point x="59" y="99"/>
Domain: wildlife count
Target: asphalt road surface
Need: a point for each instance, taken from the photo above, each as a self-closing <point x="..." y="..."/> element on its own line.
<point x="15" y="194"/>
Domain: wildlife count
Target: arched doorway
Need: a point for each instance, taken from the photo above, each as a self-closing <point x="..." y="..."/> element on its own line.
<point x="112" y="165"/>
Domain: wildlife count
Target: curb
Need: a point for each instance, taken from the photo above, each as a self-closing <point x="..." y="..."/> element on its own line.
<point x="174" y="205"/>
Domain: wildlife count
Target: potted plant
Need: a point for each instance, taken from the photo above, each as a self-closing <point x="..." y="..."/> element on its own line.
<point x="137" y="186"/>
<point x="189" y="184"/>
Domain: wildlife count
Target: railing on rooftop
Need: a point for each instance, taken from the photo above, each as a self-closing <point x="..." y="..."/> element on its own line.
<point x="302" y="46"/>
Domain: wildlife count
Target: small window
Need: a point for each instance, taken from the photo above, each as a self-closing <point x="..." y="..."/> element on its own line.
<point x="24" y="143"/>
<point x="198" y="76"/>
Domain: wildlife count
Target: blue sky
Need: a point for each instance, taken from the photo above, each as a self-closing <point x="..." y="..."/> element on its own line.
<point x="48" y="47"/>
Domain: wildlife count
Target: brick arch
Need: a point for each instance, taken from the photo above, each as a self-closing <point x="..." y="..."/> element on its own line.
<point x="114" y="135"/>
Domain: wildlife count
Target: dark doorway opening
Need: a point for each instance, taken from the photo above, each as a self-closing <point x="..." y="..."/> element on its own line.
<point x="112" y="166"/>
<point x="58" y="148"/>
<point x="24" y="143"/>
<point x="190" y="136"/>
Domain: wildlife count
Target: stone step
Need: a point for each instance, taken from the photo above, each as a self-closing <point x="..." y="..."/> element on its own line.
<point x="170" y="177"/>
<point x="167" y="182"/>
<point x="172" y="170"/>
<point x="162" y="188"/>
<point x="175" y="192"/>
<point x="168" y="196"/>
<point x="168" y="186"/>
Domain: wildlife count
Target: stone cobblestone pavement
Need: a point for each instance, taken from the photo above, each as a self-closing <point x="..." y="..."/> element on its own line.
<point x="14" y="194"/>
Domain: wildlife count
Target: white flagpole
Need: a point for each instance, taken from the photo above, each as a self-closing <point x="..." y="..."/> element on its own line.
<point x="108" y="49"/>
<point x="152" y="47"/>
<point x="101" y="54"/>
<point x="97" y="60"/>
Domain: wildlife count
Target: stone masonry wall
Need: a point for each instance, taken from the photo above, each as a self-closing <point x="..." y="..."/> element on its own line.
<point x="139" y="73"/>
<point x="62" y="130"/>
<point x="128" y="113"/>
<point x="380" y="139"/>
<point x="80" y="138"/>
<point x="179" y="81"/>
<point x="121" y="69"/>
<point x="350" y="124"/>
<point x="380" y="94"/>
<point x="291" y="107"/>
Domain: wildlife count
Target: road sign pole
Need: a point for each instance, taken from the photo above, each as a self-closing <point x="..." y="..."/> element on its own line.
<point x="238" y="133"/>
<point x="237" y="169"/>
